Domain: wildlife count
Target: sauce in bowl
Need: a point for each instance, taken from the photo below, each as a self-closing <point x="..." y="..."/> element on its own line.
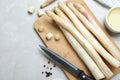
<point x="113" y="20"/>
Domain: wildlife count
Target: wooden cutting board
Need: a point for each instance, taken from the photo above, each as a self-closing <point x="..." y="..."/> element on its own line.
<point x="62" y="47"/>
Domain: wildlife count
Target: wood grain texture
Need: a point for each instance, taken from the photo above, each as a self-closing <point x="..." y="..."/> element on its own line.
<point x="62" y="47"/>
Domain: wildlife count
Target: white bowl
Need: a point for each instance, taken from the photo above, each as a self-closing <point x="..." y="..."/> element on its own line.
<point x="112" y="20"/>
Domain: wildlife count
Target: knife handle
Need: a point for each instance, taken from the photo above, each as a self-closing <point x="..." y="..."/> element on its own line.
<point x="83" y="76"/>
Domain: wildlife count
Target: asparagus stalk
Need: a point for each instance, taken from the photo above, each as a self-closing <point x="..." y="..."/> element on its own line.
<point x="80" y="51"/>
<point x="46" y="3"/>
<point x="85" y="44"/>
<point x="97" y="31"/>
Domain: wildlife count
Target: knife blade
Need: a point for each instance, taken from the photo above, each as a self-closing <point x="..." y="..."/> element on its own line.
<point x="66" y="64"/>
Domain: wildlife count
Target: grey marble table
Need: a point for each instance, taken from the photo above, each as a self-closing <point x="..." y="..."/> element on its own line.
<point x="20" y="56"/>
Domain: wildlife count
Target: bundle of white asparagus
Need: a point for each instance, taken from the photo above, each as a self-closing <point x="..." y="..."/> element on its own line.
<point x="81" y="31"/>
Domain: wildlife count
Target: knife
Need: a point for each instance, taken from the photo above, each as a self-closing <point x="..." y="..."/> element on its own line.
<point x="66" y="64"/>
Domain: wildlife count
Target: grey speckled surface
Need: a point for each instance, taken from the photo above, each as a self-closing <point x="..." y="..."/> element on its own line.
<point x="20" y="56"/>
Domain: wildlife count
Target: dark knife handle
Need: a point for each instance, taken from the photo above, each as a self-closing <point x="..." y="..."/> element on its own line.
<point x="83" y="76"/>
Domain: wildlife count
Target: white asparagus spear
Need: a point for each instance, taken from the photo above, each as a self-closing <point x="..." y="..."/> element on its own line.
<point x="85" y="44"/>
<point x="98" y="32"/>
<point x="80" y="51"/>
<point x="114" y="62"/>
<point x="46" y="3"/>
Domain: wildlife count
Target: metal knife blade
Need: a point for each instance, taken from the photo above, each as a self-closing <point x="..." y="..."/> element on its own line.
<point x="65" y="64"/>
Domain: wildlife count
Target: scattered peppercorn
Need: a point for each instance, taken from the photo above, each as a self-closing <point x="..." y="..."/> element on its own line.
<point x="48" y="74"/>
<point x="48" y="62"/>
<point x="44" y="65"/>
<point x="54" y="65"/>
<point x="50" y="68"/>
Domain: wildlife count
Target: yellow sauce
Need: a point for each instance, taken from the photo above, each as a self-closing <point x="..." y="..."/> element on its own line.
<point x="114" y="18"/>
